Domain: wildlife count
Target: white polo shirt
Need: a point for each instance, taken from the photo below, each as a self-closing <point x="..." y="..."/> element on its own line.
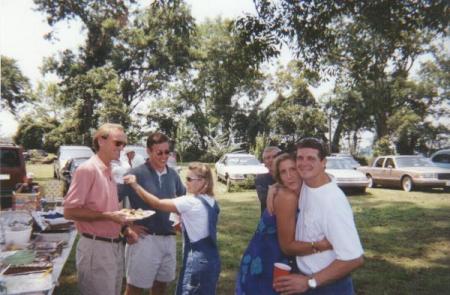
<point x="326" y="212"/>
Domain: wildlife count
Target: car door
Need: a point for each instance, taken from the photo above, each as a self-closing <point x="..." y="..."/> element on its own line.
<point x="378" y="170"/>
<point x="220" y="168"/>
<point x="390" y="172"/>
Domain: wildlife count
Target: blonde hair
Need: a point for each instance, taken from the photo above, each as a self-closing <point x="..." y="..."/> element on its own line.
<point x="104" y="131"/>
<point x="204" y="171"/>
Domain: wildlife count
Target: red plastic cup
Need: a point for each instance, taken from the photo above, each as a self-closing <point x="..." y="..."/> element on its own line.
<point x="280" y="269"/>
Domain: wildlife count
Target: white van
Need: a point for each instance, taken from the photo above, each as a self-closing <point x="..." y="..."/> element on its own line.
<point x="67" y="152"/>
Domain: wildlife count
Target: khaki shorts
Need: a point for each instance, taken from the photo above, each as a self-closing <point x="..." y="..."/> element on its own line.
<point x="100" y="267"/>
<point x="152" y="258"/>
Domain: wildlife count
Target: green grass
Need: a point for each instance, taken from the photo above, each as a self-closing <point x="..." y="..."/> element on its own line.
<point x="406" y="237"/>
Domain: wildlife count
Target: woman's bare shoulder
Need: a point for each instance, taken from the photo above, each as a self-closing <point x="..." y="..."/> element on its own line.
<point x="286" y="194"/>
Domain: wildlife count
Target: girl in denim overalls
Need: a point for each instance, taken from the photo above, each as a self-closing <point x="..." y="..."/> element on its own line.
<point x="199" y="213"/>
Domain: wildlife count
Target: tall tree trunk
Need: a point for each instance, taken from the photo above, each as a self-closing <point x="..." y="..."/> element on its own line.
<point x="337" y="137"/>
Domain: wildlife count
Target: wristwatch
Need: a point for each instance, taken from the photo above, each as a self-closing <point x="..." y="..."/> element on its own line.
<point x="312" y="283"/>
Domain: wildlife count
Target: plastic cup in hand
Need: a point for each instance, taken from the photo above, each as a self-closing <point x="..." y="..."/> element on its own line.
<point x="280" y="269"/>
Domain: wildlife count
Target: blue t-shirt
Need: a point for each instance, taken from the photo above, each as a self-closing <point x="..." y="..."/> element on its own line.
<point x="169" y="187"/>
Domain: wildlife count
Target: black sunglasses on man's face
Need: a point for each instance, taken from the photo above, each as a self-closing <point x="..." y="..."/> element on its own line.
<point x="119" y="143"/>
<point x="159" y="153"/>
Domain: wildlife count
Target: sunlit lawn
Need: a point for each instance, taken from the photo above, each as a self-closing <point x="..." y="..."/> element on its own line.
<point x="406" y="237"/>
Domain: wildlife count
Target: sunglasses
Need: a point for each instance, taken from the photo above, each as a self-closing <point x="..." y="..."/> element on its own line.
<point x="159" y="153"/>
<point x="119" y="143"/>
<point x="189" y="179"/>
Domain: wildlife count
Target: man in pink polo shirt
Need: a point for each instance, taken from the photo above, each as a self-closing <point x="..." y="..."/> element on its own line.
<point x="92" y="202"/>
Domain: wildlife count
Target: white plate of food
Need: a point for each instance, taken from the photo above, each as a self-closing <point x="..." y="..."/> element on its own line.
<point x="136" y="214"/>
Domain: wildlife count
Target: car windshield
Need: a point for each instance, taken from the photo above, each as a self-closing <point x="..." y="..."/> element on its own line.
<point x="243" y="161"/>
<point x="339" y="164"/>
<point x="69" y="154"/>
<point x="352" y="161"/>
<point x="77" y="162"/>
<point x="414" y="162"/>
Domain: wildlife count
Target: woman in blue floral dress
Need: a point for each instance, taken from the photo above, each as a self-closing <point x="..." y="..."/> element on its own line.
<point x="255" y="273"/>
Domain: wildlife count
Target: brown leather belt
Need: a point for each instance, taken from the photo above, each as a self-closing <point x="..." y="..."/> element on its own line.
<point x="110" y="240"/>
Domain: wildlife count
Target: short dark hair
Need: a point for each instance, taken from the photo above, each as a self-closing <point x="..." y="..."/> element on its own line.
<point x="314" y="143"/>
<point x="156" y="138"/>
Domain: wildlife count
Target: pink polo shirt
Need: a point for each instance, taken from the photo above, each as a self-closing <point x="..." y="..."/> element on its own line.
<point x="94" y="188"/>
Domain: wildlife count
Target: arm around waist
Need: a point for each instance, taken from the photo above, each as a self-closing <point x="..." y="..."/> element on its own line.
<point x="337" y="270"/>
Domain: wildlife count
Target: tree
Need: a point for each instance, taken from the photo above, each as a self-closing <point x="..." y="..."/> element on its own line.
<point x="295" y="113"/>
<point x="15" y="87"/>
<point x="317" y="29"/>
<point x="31" y="132"/>
<point x="410" y="126"/>
<point x="435" y="74"/>
<point x="126" y="57"/>
<point x="346" y="108"/>
<point x="219" y="94"/>
<point x="382" y="147"/>
<point x="369" y="45"/>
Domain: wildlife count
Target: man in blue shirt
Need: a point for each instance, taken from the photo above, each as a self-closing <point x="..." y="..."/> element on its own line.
<point x="151" y="262"/>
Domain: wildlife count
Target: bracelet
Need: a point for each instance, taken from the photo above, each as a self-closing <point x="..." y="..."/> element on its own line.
<point x="314" y="248"/>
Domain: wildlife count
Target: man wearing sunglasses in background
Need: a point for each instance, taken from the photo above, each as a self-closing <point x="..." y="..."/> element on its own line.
<point x="151" y="262"/>
<point x="92" y="202"/>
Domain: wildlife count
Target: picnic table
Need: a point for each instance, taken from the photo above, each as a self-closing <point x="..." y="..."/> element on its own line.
<point x="38" y="282"/>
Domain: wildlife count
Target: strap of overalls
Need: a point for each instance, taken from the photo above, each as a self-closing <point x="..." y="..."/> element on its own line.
<point x="213" y="213"/>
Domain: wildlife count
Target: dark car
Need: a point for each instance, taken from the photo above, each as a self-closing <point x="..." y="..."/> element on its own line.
<point x="69" y="169"/>
<point x="12" y="171"/>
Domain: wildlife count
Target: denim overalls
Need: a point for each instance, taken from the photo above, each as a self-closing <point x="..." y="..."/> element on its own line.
<point x="201" y="262"/>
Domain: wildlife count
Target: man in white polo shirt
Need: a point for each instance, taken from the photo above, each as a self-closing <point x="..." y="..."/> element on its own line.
<point x="324" y="213"/>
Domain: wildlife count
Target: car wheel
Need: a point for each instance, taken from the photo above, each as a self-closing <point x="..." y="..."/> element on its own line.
<point x="371" y="183"/>
<point x="407" y="184"/>
<point x="217" y="176"/>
